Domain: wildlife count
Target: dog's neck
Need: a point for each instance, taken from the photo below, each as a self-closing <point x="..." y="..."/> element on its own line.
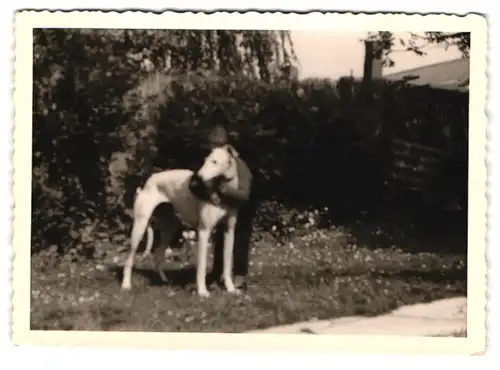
<point x="233" y="174"/>
<point x="222" y="179"/>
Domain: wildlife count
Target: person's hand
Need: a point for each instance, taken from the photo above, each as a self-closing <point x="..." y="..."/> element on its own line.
<point x="215" y="199"/>
<point x="223" y="187"/>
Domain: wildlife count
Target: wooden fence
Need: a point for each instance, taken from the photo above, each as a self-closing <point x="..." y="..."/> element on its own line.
<point x="428" y="146"/>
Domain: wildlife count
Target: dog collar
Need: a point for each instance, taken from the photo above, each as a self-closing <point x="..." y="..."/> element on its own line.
<point x="228" y="179"/>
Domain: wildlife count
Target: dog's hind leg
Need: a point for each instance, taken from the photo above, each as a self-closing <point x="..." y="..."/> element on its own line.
<point x="143" y="208"/>
<point x="149" y="244"/>
<point x="170" y="227"/>
<point x="140" y="225"/>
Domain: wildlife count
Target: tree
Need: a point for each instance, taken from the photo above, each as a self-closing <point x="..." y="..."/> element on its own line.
<point x="82" y="75"/>
<point x="387" y="43"/>
<point x="80" y="119"/>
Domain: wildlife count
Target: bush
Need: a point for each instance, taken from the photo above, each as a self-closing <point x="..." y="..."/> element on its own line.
<point x="314" y="143"/>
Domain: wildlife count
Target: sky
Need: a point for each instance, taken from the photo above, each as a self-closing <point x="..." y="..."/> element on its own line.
<point x="332" y="54"/>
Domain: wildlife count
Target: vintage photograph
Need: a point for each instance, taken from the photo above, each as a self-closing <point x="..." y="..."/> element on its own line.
<point x="213" y="180"/>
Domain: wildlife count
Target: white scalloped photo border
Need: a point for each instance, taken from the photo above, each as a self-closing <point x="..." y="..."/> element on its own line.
<point x="25" y="21"/>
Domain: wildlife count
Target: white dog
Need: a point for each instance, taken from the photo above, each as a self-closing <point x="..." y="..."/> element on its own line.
<point x="172" y="186"/>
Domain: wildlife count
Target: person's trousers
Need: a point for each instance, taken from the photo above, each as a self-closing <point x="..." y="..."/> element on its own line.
<point x="242" y="238"/>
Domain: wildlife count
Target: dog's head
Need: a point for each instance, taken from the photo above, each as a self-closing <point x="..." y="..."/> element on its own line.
<point x="219" y="163"/>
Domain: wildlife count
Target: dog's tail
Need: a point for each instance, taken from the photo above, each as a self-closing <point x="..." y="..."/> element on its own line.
<point x="149" y="231"/>
<point x="149" y="245"/>
<point x="143" y="209"/>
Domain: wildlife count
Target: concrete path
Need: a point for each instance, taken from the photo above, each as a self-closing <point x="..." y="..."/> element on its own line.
<point x="445" y="317"/>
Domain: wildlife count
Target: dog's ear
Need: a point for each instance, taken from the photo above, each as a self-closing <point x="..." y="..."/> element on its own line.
<point x="138" y="191"/>
<point x="230" y="149"/>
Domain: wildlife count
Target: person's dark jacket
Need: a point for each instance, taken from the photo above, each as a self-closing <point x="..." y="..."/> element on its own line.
<point x="229" y="195"/>
<point x="237" y="196"/>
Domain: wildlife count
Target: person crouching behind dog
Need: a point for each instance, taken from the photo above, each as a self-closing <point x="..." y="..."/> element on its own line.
<point x="241" y="198"/>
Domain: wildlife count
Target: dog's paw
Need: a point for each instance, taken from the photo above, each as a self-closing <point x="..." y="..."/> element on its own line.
<point x="234" y="291"/>
<point x="126" y="286"/>
<point x="204" y="293"/>
<point x="162" y="276"/>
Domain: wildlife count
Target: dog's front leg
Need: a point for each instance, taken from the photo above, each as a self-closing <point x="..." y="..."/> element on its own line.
<point x="203" y="237"/>
<point x="228" y="255"/>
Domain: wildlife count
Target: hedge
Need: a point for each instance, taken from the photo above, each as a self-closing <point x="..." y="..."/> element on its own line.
<point x="318" y="142"/>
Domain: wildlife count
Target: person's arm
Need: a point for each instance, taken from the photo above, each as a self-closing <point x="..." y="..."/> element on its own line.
<point x="242" y="192"/>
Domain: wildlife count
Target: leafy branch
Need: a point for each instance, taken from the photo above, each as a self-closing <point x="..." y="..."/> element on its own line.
<point x="387" y="42"/>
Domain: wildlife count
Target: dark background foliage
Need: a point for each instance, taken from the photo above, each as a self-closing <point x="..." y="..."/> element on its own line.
<point x="112" y="106"/>
<point x="349" y="176"/>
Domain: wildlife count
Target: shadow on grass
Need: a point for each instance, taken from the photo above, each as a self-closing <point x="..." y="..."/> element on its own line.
<point x="175" y="277"/>
<point x="446" y="235"/>
<point x="103" y="317"/>
<point x="437" y="277"/>
<point x="367" y="283"/>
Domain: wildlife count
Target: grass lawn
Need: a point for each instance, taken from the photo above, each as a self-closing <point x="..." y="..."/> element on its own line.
<point x="323" y="274"/>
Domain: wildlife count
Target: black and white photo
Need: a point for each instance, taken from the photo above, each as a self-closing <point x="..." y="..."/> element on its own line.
<point x="285" y="177"/>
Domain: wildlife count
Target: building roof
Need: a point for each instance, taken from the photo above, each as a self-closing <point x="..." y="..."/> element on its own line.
<point x="449" y="75"/>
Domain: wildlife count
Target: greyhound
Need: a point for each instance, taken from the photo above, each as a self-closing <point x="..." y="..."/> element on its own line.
<point x="172" y="186"/>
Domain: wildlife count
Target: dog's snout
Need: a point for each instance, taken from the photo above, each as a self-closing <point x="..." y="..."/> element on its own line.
<point x="196" y="180"/>
<point x="199" y="176"/>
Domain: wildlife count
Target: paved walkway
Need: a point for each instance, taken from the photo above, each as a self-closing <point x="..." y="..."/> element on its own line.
<point x="445" y="317"/>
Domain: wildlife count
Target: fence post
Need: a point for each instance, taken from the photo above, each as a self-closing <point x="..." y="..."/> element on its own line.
<point x="372" y="71"/>
<point x="373" y="64"/>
